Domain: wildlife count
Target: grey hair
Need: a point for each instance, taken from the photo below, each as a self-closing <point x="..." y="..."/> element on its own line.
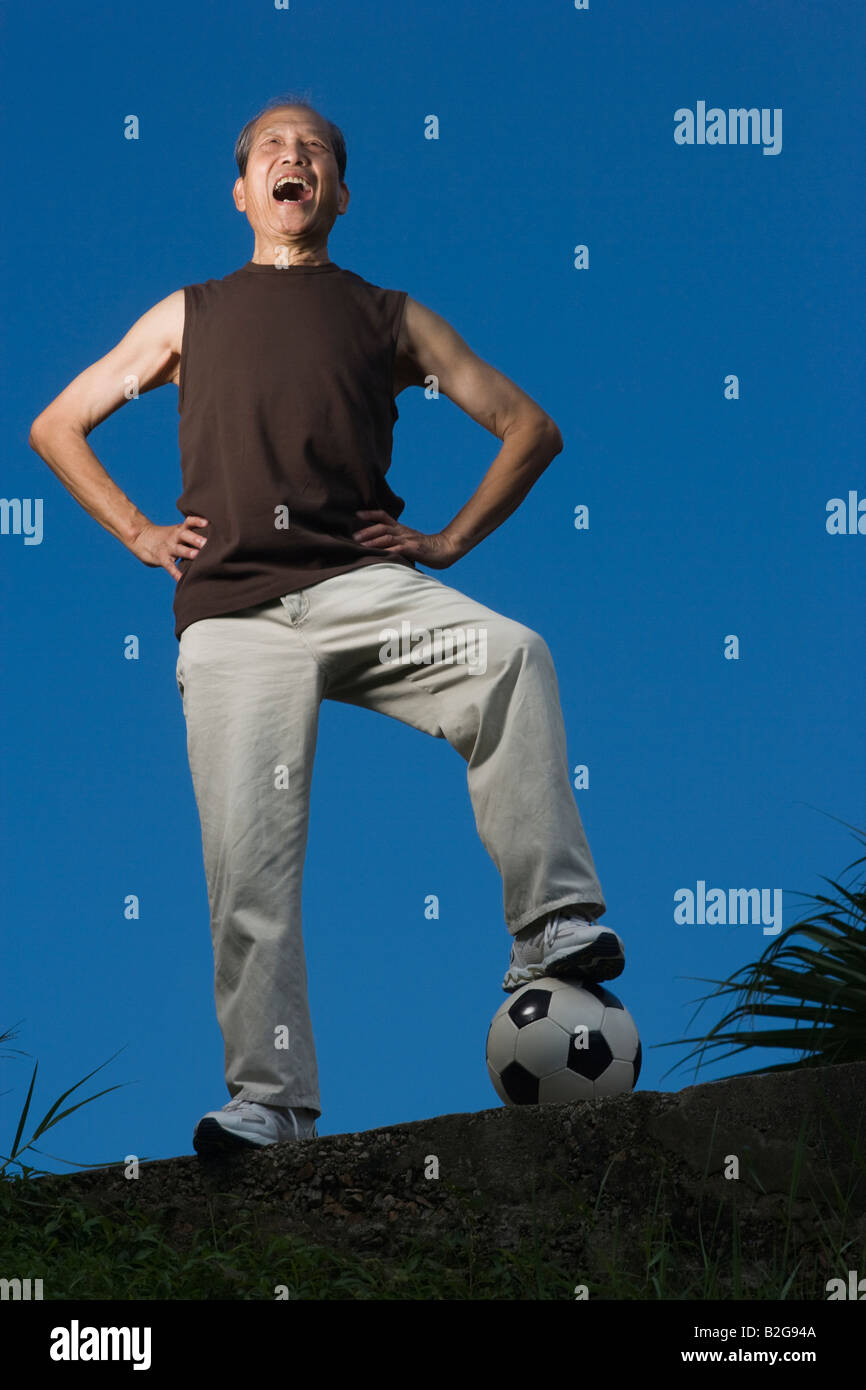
<point x="245" y="139"/>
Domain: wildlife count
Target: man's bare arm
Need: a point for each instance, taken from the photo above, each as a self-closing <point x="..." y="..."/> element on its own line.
<point x="428" y="345"/>
<point x="149" y="356"/>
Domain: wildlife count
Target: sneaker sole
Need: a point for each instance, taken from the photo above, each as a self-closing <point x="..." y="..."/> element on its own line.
<point x="599" y="960"/>
<point x="211" y="1138"/>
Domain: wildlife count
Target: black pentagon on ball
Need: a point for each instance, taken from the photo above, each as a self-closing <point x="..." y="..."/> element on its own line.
<point x="609" y="1000"/>
<point x="520" y="1085"/>
<point x="530" y="1006"/>
<point x="592" y="1060"/>
<point x="638" y="1058"/>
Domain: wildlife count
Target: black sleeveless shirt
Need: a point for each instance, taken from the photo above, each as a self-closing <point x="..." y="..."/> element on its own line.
<point x="285" y="395"/>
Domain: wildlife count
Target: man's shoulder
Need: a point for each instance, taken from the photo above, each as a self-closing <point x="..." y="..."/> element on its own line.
<point x="371" y="287"/>
<point x="388" y="304"/>
<point x="198" y="290"/>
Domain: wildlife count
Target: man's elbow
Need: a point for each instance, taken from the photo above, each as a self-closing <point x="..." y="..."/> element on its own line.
<point x="552" y="437"/>
<point x="556" y="440"/>
<point x="37" y="432"/>
<point x="542" y="430"/>
<point x="42" y="430"/>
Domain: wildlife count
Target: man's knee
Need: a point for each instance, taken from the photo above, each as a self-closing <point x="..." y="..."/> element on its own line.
<point x="526" y="639"/>
<point x="515" y="642"/>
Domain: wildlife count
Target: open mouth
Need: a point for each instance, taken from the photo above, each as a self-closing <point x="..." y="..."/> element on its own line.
<point x="292" y="188"/>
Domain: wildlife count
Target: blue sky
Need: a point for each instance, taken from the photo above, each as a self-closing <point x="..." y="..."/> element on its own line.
<point x="707" y="515"/>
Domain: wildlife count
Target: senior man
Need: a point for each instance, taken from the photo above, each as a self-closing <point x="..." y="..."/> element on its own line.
<point x="290" y="564"/>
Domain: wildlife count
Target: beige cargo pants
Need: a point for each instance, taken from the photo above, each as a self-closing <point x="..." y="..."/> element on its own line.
<point x="395" y="640"/>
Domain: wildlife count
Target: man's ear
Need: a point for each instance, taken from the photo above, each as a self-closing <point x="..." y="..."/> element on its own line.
<point x="343" y="200"/>
<point x="238" y="195"/>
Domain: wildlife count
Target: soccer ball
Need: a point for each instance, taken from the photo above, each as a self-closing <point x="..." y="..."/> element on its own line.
<point x="556" y="1040"/>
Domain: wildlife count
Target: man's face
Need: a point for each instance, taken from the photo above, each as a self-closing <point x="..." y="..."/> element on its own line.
<point x="295" y="142"/>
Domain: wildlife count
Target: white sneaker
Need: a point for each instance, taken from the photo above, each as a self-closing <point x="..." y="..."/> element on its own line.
<point x="243" y="1123"/>
<point x="564" y="946"/>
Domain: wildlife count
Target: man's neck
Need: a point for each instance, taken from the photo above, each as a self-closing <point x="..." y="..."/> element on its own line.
<point x="283" y="255"/>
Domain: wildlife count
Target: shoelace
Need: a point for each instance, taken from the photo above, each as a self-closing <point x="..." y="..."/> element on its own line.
<point x="550" y="932"/>
<point x="551" y="926"/>
<point x="548" y="935"/>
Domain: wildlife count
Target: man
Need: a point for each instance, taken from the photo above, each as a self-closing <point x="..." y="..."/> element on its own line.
<point x="295" y="569"/>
